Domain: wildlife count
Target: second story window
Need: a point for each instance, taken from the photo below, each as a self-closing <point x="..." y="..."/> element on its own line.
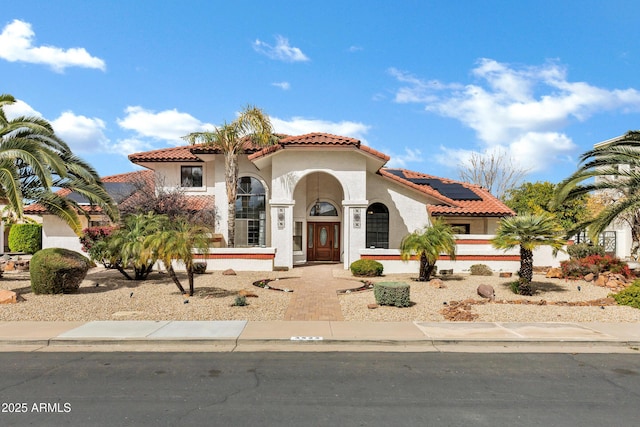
<point x="191" y="176"/>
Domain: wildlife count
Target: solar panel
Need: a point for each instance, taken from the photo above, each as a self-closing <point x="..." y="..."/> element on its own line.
<point x="117" y="190"/>
<point x="451" y="190"/>
<point x="396" y="172"/>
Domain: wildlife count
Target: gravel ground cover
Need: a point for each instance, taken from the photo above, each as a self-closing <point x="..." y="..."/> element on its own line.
<point x="106" y="295"/>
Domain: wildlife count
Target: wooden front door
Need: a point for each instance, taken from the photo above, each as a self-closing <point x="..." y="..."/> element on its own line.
<point x="323" y="241"/>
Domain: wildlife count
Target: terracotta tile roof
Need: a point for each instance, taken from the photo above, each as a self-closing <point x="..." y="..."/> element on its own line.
<point x="459" y="198"/>
<point x="317" y="139"/>
<point x="128" y="177"/>
<point x="172" y="154"/>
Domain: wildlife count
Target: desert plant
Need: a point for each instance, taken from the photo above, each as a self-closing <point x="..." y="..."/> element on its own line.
<point x="629" y="296"/>
<point x="240" y="301"/>
<point x="480" y="270"/>
<point x="366" y="268"/>
<point x="392" y="293"/>
<point x="595" y="264"/>
<point x="427" y="244"/>
<point x="25" y="238"/>
<point x="583" y="250"/>
<point x="57" y="271"/>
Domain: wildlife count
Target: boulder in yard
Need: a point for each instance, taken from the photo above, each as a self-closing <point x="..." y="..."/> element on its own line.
<point x="8" y="297"/>
<point x="554" y="273"/>
<point x="229" y="272"/>
<point x="487" y="291"/>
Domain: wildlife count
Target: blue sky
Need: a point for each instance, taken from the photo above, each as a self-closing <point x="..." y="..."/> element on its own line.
<point x="426" y="82"/>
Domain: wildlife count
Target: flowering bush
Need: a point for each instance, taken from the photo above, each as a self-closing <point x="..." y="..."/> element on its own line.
<point x="577" y="268"/>
<point x="94" y="242"/>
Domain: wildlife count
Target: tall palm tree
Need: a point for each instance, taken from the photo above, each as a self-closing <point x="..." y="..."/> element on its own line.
<point x="528" y="232"/>
<point x="428" y="244"/>
<point x="177" y="241"/>
<point x="612" y="169"/>
<point x="251" y="126"/>
<point x="34" y="162"/>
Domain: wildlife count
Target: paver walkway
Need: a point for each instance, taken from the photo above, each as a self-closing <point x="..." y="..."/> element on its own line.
<point x="314" y="293"/>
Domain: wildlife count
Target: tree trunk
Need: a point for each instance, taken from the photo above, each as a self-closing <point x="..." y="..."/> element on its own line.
<point x="424" y="268"/>
<point x="526" y="264"/>
<point x="231" y="180"/>
<point x="190" y="277"/>
<point x="174" y="277"/>
<point x="119" y="267"/>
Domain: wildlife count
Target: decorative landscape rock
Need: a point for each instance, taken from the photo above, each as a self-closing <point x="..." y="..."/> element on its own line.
<point x="57" y="271"/>
<point x="487" y="291"/>
<point x="247" y="294"/>
<point x="229" y="272"/>
<point x="554" y="273"/>
<point x="437" y="283"/>
<point x="8" y="297"/>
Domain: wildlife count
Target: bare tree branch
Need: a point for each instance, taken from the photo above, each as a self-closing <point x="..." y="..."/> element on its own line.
<point x="493" y="170"/>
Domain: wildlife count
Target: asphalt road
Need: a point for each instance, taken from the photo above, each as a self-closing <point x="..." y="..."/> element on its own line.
<point x="319" y="389"/>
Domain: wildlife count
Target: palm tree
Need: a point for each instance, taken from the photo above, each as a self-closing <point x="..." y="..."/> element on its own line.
<point x="251" y="126"/>
<point x="127" y="245"/>
<point x="528" y="232"/>
<point x="428" y="244"/>
<point x="615" y="169"/>
<point x="34" y="161"/>
<point x="177" y="241"/>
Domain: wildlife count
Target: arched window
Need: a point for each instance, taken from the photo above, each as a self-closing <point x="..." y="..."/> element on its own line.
<point x="378" y="226"/>
<point x="323" y="209"/>
<point x="250" y="213"/>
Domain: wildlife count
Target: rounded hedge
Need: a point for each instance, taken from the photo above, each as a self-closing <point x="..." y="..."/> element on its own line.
<point x="57" y="271"/>
<point x="25" y="238"/>
<point x="366" y="268"/>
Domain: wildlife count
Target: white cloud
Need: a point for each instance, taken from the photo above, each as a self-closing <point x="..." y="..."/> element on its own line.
<point x="167" y="125"/>
<point x="282" y="85"/>
<point x="16" y="44"/>
<point x="83" y="134"/>
<point x="130" y="145"/>
<point x="520" y="109"/>
<point x="400" y="160"/>
<point x="353" y="49"/>
<point x="301" y="126"/>
<point x="281" y="51"/>
<point x="20" y="109"/>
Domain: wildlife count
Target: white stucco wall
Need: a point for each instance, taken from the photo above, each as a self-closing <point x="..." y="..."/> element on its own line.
<point x="57" y="234"/>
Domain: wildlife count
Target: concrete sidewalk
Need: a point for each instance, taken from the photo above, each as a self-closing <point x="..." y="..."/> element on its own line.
<point x="239" y="335"/>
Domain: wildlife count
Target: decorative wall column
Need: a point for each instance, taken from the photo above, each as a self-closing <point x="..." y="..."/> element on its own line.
<point x="282" y="232"/>
<point x="355" y="230"/>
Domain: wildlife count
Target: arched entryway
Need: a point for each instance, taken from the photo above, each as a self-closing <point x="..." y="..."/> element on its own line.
<point x="318" y="233"/>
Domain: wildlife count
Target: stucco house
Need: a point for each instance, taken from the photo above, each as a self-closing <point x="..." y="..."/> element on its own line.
<point x="322" y="198"/>
<point x="326" y="198"/>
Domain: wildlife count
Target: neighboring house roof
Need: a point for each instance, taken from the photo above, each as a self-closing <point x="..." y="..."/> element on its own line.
<point x="457" y="198"/>
<point x="120" y="187"/>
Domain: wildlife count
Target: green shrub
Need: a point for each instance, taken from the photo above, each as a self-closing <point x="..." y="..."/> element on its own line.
<point x="366" y="267"/>
<point x="57" y="271"/>
<point x="392" y="293"/>
<point x="629" y="296"/>
<point x="481" y="270"/>
<point x="25" y="238"/>
<point x="241" y="301"/>
<point x="583" y="250"/>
